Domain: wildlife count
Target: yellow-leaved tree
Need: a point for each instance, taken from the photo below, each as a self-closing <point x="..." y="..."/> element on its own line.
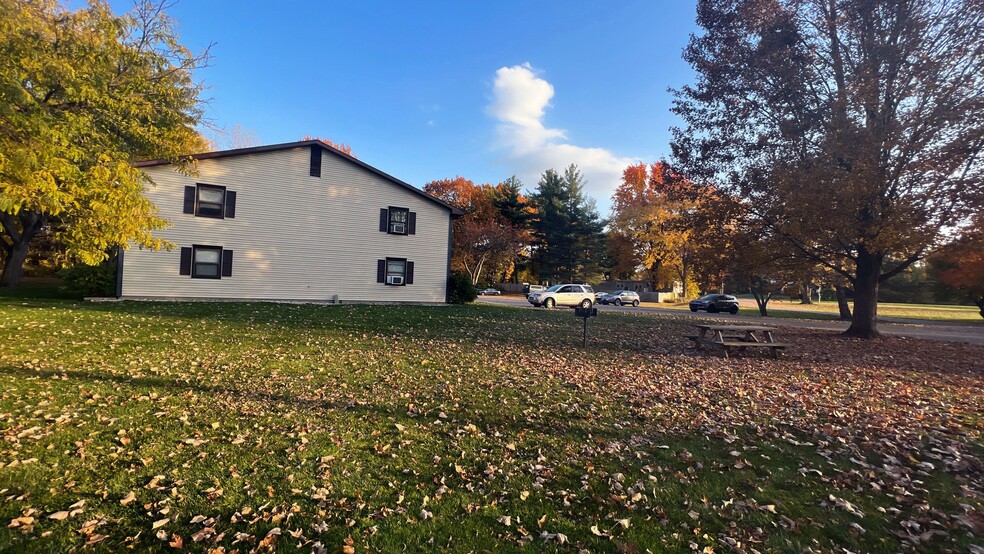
<point x="650" y="210"/>
<point x="84" y="94"/>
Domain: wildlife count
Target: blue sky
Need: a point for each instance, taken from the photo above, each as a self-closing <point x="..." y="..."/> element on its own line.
<point x="430" y="90"/>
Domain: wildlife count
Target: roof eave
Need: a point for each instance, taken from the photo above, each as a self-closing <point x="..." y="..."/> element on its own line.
<point x="455" y="212"/>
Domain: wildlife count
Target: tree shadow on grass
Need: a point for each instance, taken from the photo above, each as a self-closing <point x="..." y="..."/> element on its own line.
<point x="613" y="334"/>
<point x="571" y="428"/>
<point x="512" y="331"/>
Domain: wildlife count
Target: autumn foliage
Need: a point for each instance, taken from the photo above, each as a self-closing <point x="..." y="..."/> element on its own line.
<point x="84" y="95"/>
<point x="851" y="128"/>
<point x="487" y="238"/>
<point x="651" y="212"/>
<point x="962" y="263"/>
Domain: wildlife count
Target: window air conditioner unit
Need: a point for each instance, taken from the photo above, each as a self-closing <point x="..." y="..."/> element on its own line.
<point x="399" y="228"/>
<point x="394" y="280"/>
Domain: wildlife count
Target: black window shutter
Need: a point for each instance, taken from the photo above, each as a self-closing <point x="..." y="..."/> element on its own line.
<point x="230" y="204"/>
<point x="189" y="207"/>
<point x="227" y="263"/>
<point x="412" y="223"/>
<point x="185" y="261"/>
<point x="384" y="217"/>
<point x="315" y="160"/>
<point x="381" y="271"/>
<point x="409" y="279"/>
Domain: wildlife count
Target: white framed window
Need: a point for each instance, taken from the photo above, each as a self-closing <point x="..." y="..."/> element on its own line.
<point x="206" y="262"/>
<point x="399" y="221"/>
<point x="396" y="271"/>
<point x="211" y="201"/>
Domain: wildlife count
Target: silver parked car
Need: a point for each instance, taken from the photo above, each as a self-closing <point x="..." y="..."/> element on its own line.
<point x="564" y="295"/>
<point x="621" y="297"/>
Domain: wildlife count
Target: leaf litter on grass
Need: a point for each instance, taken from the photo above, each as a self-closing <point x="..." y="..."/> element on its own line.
<point x="480" y="427"/>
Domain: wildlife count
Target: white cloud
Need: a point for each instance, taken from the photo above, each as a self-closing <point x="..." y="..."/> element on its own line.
<point x="520" y="98"/>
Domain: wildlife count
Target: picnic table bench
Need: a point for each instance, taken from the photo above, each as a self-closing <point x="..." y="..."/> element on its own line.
<point x="735" y="336"/>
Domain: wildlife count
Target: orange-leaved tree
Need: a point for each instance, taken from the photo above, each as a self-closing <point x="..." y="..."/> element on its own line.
<point x="961" y="264"/>
<point x="651" y="209"/>
<point x="517" y="210"/>
<point x="852" y="129"/>
<point x="483" y="238"/>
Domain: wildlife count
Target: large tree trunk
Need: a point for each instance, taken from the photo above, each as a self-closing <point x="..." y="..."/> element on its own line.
<point x="842" y="305"/>
<point x="20" y="231"/>
<point x="806" y="297"/>
<point x="654" y="275"/>
<point x="478" y="271"/>
<point x="761" y="297"/>
<point x="864" y="323"/>
<point x="762" y="300"/>
<point x="13" y="264"/>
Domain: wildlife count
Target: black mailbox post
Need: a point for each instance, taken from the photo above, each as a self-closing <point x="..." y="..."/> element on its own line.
<point x="585" y="313"/>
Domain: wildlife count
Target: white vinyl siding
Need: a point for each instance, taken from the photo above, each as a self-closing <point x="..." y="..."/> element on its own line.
<point x="295" y="237"/>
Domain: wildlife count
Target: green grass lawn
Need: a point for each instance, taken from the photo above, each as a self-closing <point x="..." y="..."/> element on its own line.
<point x="157" y="426"/>
<point x="828" y="310"/>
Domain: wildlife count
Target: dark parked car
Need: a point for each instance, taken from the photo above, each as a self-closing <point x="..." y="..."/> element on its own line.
<point x="489" y="292"/>
<point x="715" y="303"/>
<point x="621" y="297"/>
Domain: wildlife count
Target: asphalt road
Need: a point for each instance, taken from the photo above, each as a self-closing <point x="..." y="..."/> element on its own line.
<point x="932" y="330"/>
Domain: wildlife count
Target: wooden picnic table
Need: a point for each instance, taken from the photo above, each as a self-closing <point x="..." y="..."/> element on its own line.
<point x="736" y="336"/>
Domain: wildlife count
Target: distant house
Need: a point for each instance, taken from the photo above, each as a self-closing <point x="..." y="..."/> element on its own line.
<point x="295" y="221"/>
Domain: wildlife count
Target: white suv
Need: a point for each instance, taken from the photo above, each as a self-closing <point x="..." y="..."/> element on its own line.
<point x="563" y="295"/>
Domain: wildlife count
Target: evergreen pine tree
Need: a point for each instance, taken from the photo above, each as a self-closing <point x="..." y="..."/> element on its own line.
<point x="567" y="228"/>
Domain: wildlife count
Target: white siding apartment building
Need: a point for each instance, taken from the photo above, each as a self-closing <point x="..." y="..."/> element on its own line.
<point x="296" y="221"/>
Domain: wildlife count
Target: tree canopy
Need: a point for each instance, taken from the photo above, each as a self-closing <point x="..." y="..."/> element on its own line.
<point x="83" y="95"/>
<point x="851" y="129"/>
<point x="492" y="231"/>
<point x="961" y="264"/>
<point x="651" y="209"/>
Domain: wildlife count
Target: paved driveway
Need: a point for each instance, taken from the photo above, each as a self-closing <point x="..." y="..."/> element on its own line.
<point x="932" y="330"/>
